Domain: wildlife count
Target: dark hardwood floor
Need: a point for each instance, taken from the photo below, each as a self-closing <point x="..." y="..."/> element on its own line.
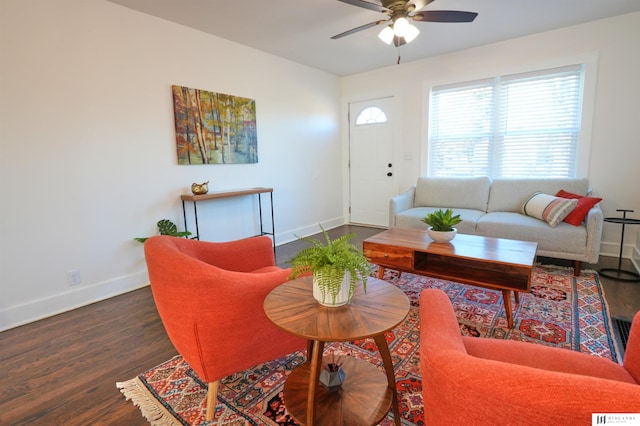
<point x="62" y="370"/>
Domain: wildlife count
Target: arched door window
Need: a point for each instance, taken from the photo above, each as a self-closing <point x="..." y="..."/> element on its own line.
<point x="371" y="115"/>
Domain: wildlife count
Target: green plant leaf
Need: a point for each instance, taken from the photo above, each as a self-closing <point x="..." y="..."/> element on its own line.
<point x="442" y="220"/>
<point x="332" y="258"/>
<point x="166" y="227"/>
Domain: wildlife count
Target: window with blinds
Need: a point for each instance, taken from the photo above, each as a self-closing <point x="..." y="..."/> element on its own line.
<point x="522" y="125"/>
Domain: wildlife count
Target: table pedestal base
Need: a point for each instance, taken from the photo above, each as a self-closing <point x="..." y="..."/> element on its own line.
<point x="365" y="397"/>
<point x="619" y="274"/>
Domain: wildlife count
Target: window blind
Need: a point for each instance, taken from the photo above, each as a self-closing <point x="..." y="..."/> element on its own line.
<point x="524" y="125"/>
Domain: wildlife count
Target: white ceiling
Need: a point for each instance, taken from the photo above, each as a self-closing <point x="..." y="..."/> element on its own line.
<point x="300" y="30"/>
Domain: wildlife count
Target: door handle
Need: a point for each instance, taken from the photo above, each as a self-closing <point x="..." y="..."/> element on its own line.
<point x="389" y="174"/>
<point x="389" y="165"/>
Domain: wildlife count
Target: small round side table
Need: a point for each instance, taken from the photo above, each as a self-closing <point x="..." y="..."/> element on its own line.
<point x="620" y="274"/>
<point x="366" y="395"/>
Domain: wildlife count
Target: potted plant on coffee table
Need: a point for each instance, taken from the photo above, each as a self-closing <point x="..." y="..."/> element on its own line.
<point x="441" y="225"/>
<point x="337" y="266"/>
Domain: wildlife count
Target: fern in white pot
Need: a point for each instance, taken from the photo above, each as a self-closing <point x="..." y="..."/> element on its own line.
<point x="337" y="266"/>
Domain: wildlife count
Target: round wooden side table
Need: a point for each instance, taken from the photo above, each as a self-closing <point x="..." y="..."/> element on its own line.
<point x="366" y="396"/>
<point x="620" y="274"/>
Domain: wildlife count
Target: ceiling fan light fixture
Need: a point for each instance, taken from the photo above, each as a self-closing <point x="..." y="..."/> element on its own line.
<point x="386" y="35"/>
<point x="401" y="26"/>
<point x="411" y="33"/>
<point x="397" y="28"/>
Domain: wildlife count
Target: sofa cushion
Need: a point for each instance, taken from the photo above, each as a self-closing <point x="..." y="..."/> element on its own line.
<point x="456" y="193"/>
<point x="412" y="218"/>
<point x="585" y="204"/>
<point x="563" y="238"/>
<point x="508" y="195"/>
<point x="549" y="208"/>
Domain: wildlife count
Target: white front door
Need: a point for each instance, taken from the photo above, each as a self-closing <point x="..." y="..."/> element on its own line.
<point x="371" y="161"/>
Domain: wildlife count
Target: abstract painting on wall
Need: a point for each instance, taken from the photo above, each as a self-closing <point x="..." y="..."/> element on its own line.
<point x="214" y="128"/>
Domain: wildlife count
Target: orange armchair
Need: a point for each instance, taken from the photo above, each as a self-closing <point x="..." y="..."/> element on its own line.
<point x="482" y="381"/>
<point x="210" y="298"/>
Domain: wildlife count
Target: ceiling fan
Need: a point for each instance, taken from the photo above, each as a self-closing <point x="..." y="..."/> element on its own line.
<point x="399" y="30"/>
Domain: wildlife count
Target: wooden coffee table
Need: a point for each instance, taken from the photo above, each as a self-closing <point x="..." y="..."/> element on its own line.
<point x="366" y="394"/>
<point x="494" y="263"/>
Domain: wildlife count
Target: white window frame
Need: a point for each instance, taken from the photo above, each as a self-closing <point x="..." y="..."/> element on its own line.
<point x="363" y="120"/>
<point x="588" y="102"/>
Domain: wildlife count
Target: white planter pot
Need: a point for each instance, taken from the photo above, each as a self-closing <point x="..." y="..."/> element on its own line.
<point x="442" y="237"/>
<point x="326" y="298"/>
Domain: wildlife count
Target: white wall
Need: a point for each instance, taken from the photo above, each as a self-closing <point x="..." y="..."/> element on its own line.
<point x="87" y="146"/>
<point x="615" y="127"/>
<point x="635" y="255"/>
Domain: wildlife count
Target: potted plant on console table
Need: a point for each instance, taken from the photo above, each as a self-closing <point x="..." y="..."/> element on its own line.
<point x="441" y="225"/>
<point x="336" y="267"/>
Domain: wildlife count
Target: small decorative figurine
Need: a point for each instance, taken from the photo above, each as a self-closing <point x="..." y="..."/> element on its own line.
<point x="200" y="188"/>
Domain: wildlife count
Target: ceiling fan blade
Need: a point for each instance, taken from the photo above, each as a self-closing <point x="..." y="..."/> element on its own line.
<point x="360" y="28"/>
<point x="366" y="5"/>
<point x="444" y="16"/>
<point x="419" y="4"/>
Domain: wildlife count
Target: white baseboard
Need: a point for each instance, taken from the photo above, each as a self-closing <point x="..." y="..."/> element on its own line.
<point x="628" y="252"/>
<point x="15" y="316"/>
<point x="76" y="297"/>
<point x="613" y="250"/>
<point x="287" y="237"/>
<point x="635" y="258"/>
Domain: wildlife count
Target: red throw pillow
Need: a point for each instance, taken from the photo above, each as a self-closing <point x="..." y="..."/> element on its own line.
<point x="578" y="214"/>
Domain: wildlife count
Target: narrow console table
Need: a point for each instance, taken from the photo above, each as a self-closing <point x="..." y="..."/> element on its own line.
<point x="229" y="194"/>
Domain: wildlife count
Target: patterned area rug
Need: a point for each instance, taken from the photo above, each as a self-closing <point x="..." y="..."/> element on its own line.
<point x="561" y="310"/>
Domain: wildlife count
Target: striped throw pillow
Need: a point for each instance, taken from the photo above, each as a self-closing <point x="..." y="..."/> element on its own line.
<point x="549" y="208"/>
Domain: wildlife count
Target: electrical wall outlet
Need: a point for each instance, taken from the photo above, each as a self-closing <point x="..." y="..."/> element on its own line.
<point x="73" y="277"/>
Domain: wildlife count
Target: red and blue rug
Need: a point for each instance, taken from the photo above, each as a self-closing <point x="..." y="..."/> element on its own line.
<point x="561" y="310"/>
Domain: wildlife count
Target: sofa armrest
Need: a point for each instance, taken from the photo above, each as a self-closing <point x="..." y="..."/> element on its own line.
<point x="439" y="328"/>
<point x="399" y="203"/>
<point x="594" y="223"/>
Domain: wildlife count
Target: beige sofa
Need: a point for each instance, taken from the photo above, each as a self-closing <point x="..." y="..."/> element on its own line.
<point x="494" y="209"/>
